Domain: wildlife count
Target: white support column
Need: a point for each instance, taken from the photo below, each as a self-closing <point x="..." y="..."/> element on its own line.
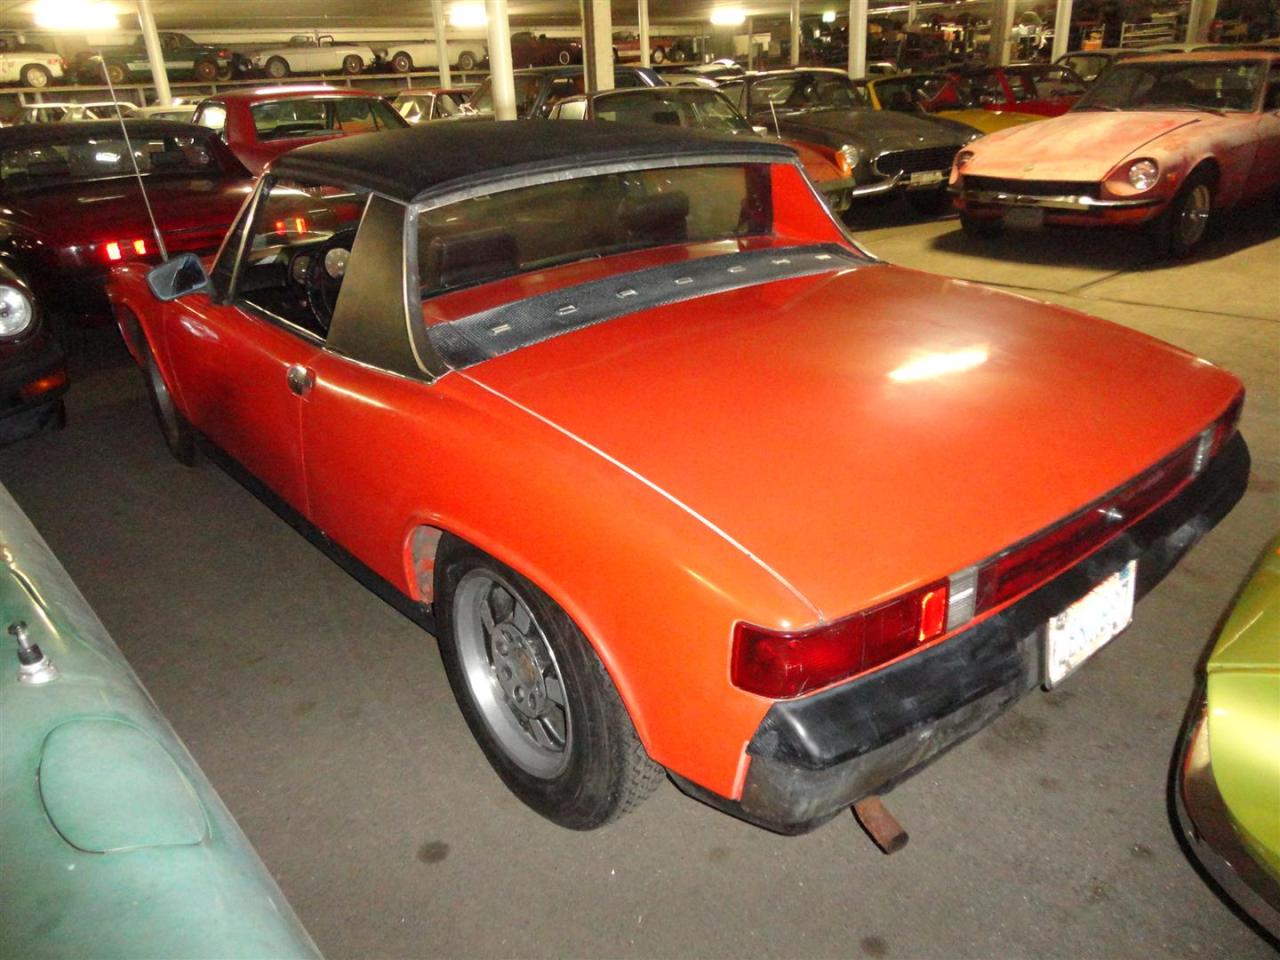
<point x="1199" y="17"/>
<point x="500" y="72"/>
<point x="155" y="54"/>
<point x="911" y="12"/>
<point x="1003" y="15"/>
<point x="646" y="45"/>
<point x="442" y="43"/>
<point x="751" y="43"/>
<point x="1062" y="28"/>
<point x="795" y="33"/>
<point x="857" y="38"/>
<point x="598" y="43"/>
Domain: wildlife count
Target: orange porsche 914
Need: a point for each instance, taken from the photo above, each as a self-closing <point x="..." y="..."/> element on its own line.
<point x="684" y="481"/>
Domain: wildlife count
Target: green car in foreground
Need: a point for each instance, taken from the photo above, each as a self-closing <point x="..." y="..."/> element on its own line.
<point x="112" y="842"/>
<point x="1227" y="790"/>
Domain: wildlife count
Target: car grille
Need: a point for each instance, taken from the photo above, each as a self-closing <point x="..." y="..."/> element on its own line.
<point x="914" y="161"/>
<point x="1033" y="188"/>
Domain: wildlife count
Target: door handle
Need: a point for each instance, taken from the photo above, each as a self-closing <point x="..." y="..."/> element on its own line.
<point x="301" y="379"/>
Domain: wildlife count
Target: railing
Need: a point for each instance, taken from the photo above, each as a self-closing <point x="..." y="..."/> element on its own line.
<point x="143" y="94"/>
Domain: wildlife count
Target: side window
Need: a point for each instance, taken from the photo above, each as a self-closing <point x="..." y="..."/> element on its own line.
<point x="296" y="255"/>
<point x="1272" y="101"/>
<point x="571" y="110"/>
<point x="355" y="116"/>
<point x="623" y="79"/>
<point x="211" y="115"/>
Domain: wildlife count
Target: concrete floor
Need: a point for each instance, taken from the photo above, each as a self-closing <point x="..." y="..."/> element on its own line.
<point x="325" y="721"/>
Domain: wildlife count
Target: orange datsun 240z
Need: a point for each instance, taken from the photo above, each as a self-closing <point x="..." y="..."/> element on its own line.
<point x="684" y="481"/>
<point x="1165" y="142"/>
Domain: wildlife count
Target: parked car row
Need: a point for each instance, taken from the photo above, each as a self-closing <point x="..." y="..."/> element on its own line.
<point x="505" y="296"/>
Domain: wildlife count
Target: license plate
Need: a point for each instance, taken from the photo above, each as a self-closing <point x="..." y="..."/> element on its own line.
<point x="925" y="178"/>
<point x="1084" y="627"/>
<point x="1024" y="218"/>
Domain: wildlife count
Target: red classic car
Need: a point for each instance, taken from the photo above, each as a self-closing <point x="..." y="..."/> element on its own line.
<point x="259" y="125"/>
<point x="1049" y="90"/>
<point x="1162" y="142"/>
<point x="530" y="50"/>
<point x="683" y="480"/>
<point x="70" y="207"/>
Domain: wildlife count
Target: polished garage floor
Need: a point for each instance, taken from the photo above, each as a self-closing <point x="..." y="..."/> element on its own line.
<point x="325" y="721"/>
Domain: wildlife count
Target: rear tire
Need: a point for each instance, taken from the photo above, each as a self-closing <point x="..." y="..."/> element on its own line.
<point x="277" y="68"/>
<point x="402" y="63"/>
<point x="658" y="56"/>
<point x="1188" y="220"/>
<point x="178" y="435"/>
<point x="467" y="60"/>
<point x="564" y="58"/>
<point x="34" y="75"/>
<point x="535" y="695"/>
<point x="117" y="73"/>
<point x="352" y="64"/>
<point x="206" y="71"/>
<point x="981" y="227"/>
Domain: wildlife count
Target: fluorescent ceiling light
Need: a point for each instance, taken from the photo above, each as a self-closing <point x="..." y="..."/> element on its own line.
<point x="728" y="16"/>
<point x="828" y="16"/>
<point x="83" y="15"/>
<point x="465" y="16"/>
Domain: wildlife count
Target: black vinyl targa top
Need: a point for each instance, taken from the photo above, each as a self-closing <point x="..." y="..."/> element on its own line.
<point x="39" y="134"/>
<point x="410" y="165"/>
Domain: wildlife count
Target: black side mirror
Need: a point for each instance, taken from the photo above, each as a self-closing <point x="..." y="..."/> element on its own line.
<point x="177" y="277"/>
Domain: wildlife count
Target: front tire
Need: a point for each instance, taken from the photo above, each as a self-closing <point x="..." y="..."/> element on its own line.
<point x="206" y="71"/>
<point x="535" y="695"/>
<point x="178" y="435"/>
<point x="1183" y="227"/>
<point x="352" y="64"/>
<point x="117" y="73"/>
<point x="564" y="57"/>
<point x="467" y="60"/>
<point x="402" y="63"/>
<point x="34" y="75"/>
<point x="277" y="68"/>
<point x="658" y="55"/>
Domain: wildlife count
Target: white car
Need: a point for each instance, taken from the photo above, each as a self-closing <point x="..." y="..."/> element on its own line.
<point x="72" y="112"/>
<point x="31" y="68"/>
<point x="313" y="54"/>
<point x="407" y="55"/>
<point x="182" y="112"/>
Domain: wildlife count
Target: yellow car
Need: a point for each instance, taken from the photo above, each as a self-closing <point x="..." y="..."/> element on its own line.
<point x="910" y="92"/>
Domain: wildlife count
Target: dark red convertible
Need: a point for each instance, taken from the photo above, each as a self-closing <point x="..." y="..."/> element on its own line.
<point x="1045" y="89"/>
<point x="70" y="205"/>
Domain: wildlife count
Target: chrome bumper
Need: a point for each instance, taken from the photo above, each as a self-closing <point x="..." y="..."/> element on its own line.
<point x="1083" y="204"/>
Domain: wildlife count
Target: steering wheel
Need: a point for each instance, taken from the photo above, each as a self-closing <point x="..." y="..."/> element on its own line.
<point x="324" y="275"/>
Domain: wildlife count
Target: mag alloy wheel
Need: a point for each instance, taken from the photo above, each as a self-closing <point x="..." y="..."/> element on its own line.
<point x="512" y="673"/>
<point x="1193" y="216"/>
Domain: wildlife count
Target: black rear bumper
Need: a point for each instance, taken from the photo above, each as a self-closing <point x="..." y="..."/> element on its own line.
<point x="813" y="756"/>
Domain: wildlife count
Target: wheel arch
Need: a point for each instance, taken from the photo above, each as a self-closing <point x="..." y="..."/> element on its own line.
<point x="422" y="545"/>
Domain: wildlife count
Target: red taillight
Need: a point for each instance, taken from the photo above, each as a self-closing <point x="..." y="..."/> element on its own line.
<point x="297" y="224"/>
<point x="779" y="665"/>
<point x="117" y="250"/>
<point x="1226" y="425"/>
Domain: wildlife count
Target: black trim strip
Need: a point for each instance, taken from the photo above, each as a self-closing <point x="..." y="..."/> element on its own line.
<point x="492" y="333"/>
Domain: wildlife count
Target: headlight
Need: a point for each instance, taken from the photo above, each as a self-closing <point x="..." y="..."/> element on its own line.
<point x="847" y="158"/>
<point x="1143" y="174"/>
<point x="16" y="312"/>
<point x="963" y="157"/>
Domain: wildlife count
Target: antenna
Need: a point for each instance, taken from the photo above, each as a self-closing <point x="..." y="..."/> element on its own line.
<point x="773" y="110"/>
<point x="128" y="144"/>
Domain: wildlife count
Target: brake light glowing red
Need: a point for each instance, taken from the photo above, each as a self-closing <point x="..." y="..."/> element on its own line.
<point x="113" y="251"/>
<point x="780" y="664"/>
<point x="297" y="224"/>
<point x="117" y="250"/>
<point x="140" y="247"/>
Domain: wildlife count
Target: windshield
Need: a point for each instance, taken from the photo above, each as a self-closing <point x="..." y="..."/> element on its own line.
<point x="806" y="91"/>
<point x="316" y="116"/>
<point x="907" y="93"/>
<point x="79" y="159"/>
<point x="1176" y="85"/>
<point x="1086" y="65"/>
<point x="496" y="235"/>
<point x="695" y="108"/>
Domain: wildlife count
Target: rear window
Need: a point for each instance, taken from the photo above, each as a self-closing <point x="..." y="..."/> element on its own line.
<point x="692" y="108"/>
<point x="317" y="116"/>
<point x="82" y="159"/>
<point x="488" y="237"/>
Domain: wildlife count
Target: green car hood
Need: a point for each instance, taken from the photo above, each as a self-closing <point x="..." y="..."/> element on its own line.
<point x="1244" y="712"/>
